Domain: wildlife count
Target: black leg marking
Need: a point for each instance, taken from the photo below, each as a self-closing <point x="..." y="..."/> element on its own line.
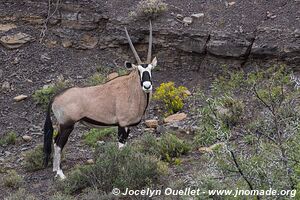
<point x="63" y="135"/>
<point x="123" y="134"/>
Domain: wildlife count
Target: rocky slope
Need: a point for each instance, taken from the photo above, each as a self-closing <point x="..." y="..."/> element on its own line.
<point x="38" y="43"/>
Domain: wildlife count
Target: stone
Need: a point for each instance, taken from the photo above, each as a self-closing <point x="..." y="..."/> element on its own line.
<point x="211" y="148"/>
<point x="179" y="16"/>
<point x="197" y="15"/>
<point x="231" y="3"/>
<point x="90" y="161"/>
<point x="88" y="42"/>
<point x="33" y="19"/>
<point x="187" y="20"/>
<point x="66" y="43"/>
<point x="187" y="92"/>
<point x="15" y="40"/>
<point x="15" y="61"/>
<point x="205" y="150"/>
<point x="7" y="27"/>
<point x="150" y="130"/>
<point x="229" y="45"/>
<point x="112" y="76"/>
<point x="101" y="142"/>
<point x="5" y="85"/>
<point x="151" y="123"/>
<point x="193" y="43"/>
<point x="271" y="15"/>
<point x="296" y="33"/>
<point x="175" y="117"/>
<point x="27" y="138"/>
<point x="45" y="57"/>
<point x="20" y="97"/>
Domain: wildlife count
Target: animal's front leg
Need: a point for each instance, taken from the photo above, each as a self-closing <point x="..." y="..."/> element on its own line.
<point x="123" y="133"/>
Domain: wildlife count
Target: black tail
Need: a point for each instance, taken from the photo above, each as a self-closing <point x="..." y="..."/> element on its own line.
<point x="48" y="134"/>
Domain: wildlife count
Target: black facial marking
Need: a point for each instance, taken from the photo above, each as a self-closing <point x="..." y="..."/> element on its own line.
<point x="146" y="77"/>
<point x="144" y="65"/>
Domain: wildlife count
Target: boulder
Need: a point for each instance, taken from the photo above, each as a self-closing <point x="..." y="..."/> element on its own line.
<point x="151" y="123"/>
<point x="229" y="45"/>
<point x="7" y="27"/>
<point x="175" y="117"/>
<point x="15" y="40"/>
<point x="88" y="42"/>
<point x="187" y="20"/>
<point x="211" y="148"/>
<point x="20" y="97"/>
<point x="27" y="138"/>
<point x="197" y="15"/>
<point x="90" y="161"/>
<point x="66" y="43"/>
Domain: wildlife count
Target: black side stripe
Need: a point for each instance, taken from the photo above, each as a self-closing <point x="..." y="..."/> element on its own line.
<point x="92" y="121"/>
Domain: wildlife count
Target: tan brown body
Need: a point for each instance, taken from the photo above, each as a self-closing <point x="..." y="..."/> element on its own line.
<point x="120" y="101"/>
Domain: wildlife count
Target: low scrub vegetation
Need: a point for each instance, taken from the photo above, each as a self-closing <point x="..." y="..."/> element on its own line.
<point x="44" y="95"/>
<point x="95" y="135"/>
<point x="96" y="79"/>
<point x="151" y="8"/>
<point x="8" y="139"/>
<point x="171" y="96"/>
<point x="256" y="117"/>
<point x="12" y="179"/>
<point x="20" y="194"/>
<point x="115" y="169"/>
<point x="34" y="159"/>
<point x="168" y="148"/>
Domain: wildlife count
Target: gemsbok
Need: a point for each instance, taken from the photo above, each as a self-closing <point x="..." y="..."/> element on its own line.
<point x="119" y="102"/>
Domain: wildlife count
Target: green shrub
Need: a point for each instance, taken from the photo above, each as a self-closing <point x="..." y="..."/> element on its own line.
<point x="262" y="139"/>
<point x="114" y="168"/>
<point x="230" y="110"/>
<point x="95" y="135"/>
<point x="60" y="196"/>
<point x="168" y="148"/>
<point x="171" y="96"/>
<point x="13" y="179"/>
<point x="34" y="159"/>
<point x="122" y="71"/>
<point x="8" y="139"/>
<point x="172" y="147"/>
<point x="151" y="8"/>
<point x="43" y="96"/>
<point x="20" y="194"/>
<point x="97" y="79"/>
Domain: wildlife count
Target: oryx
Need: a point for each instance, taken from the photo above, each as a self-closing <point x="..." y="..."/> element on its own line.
<point x="120" y="102"/>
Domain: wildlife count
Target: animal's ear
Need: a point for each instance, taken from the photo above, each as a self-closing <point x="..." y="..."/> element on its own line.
<point x="129" y="65"/>
<point x="154" y="62"/>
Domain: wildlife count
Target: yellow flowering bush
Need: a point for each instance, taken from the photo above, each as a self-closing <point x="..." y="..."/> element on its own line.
<point x="171" y="96"/>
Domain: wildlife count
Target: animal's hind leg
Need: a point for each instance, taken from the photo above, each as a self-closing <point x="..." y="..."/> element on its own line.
<point x="59" y="142"/>
<point x="123" y="133"/>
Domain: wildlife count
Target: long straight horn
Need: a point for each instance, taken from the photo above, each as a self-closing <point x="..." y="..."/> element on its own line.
<point x="150" y="45"/>
<point x="132" y="48"/>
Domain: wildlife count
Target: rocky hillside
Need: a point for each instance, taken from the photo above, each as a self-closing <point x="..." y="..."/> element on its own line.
<point x="193" y="39"/>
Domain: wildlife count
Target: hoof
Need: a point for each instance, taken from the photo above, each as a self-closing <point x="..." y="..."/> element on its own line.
<point x="60" y="175"/>
<point x="121" y="145"/>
